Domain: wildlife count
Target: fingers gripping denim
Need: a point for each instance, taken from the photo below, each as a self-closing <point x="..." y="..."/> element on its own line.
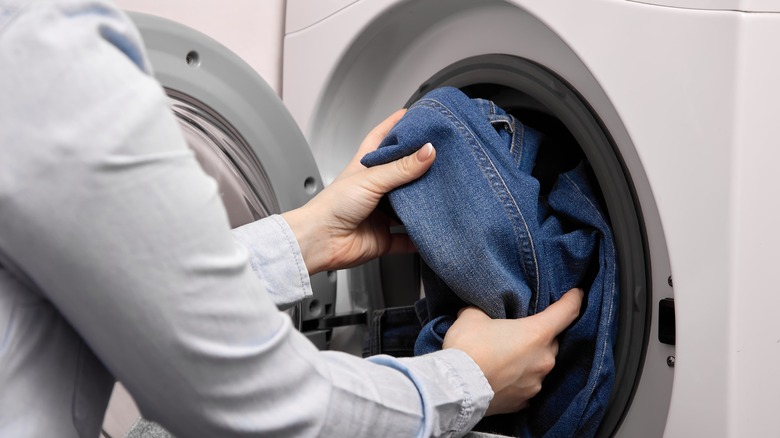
<point x="491" y="236"/>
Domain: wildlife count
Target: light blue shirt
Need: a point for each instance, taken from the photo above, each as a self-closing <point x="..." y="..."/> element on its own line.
<point x="117" y="260"/>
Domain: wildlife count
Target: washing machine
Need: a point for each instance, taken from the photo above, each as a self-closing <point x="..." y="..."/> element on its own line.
<point x="675" y="105"/>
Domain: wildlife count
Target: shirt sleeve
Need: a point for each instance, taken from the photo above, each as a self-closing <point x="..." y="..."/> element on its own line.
<point x="276" y="259"/>
<point x="104" y="207"/>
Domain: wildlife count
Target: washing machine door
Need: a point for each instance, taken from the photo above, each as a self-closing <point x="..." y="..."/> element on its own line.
<point x="242" y="135"/>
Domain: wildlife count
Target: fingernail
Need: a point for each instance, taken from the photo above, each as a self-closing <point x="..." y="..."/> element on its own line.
<point x="425" y="152"/>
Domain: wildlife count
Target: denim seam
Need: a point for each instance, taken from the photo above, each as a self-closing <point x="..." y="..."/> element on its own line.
<point x="492" y="174"/>
<point x="516" y="151"/>
<point x="507" y="200"/>
<point x="611" y="266"/>
<point x="595" y="209"/>
<point x="518" y="137"/>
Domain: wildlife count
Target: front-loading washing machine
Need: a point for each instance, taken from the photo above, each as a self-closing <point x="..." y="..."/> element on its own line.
<point x="673" y="102"/>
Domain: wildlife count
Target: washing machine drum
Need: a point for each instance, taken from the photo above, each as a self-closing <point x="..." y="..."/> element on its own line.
<point x="241" y="134"/>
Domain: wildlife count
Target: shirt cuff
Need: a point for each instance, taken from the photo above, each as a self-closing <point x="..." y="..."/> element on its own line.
<point x="454" y="392"/>
<point x="276" y="259"/>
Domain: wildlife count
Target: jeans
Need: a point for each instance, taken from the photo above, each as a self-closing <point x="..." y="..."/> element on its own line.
<point x="502" y="225"/>
<point x="392" y="331"/>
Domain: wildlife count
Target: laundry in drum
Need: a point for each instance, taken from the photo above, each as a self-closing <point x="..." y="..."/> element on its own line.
<point x="507" y="221"/>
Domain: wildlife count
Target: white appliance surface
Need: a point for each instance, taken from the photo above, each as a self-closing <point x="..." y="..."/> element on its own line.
<point x="689" y="91"/>
<point x="249" y="28"/>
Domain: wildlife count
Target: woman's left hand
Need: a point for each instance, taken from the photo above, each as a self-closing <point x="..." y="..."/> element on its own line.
<point x="340" y="227"/>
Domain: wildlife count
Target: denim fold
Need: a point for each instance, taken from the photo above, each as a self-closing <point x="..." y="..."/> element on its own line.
<point x="500" y="223"/>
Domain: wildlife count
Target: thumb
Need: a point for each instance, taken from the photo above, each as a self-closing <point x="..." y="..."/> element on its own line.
<point x="396" y="173"/>
<point x="560" y="314"/>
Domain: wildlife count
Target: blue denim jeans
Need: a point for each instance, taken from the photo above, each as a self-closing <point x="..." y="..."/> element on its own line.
<point x="392" y="331"/>
<point x="492" y="234"/>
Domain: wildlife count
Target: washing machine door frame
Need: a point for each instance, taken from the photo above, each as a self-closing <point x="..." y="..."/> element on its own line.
<point x="219" y="97"/>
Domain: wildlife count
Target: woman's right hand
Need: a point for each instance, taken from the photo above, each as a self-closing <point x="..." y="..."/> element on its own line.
<point x="514" y="354"/>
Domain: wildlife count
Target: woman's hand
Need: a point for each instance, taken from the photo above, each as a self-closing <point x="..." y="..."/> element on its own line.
<point x="514" y="354"/>
<point x="340" y="227"/>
